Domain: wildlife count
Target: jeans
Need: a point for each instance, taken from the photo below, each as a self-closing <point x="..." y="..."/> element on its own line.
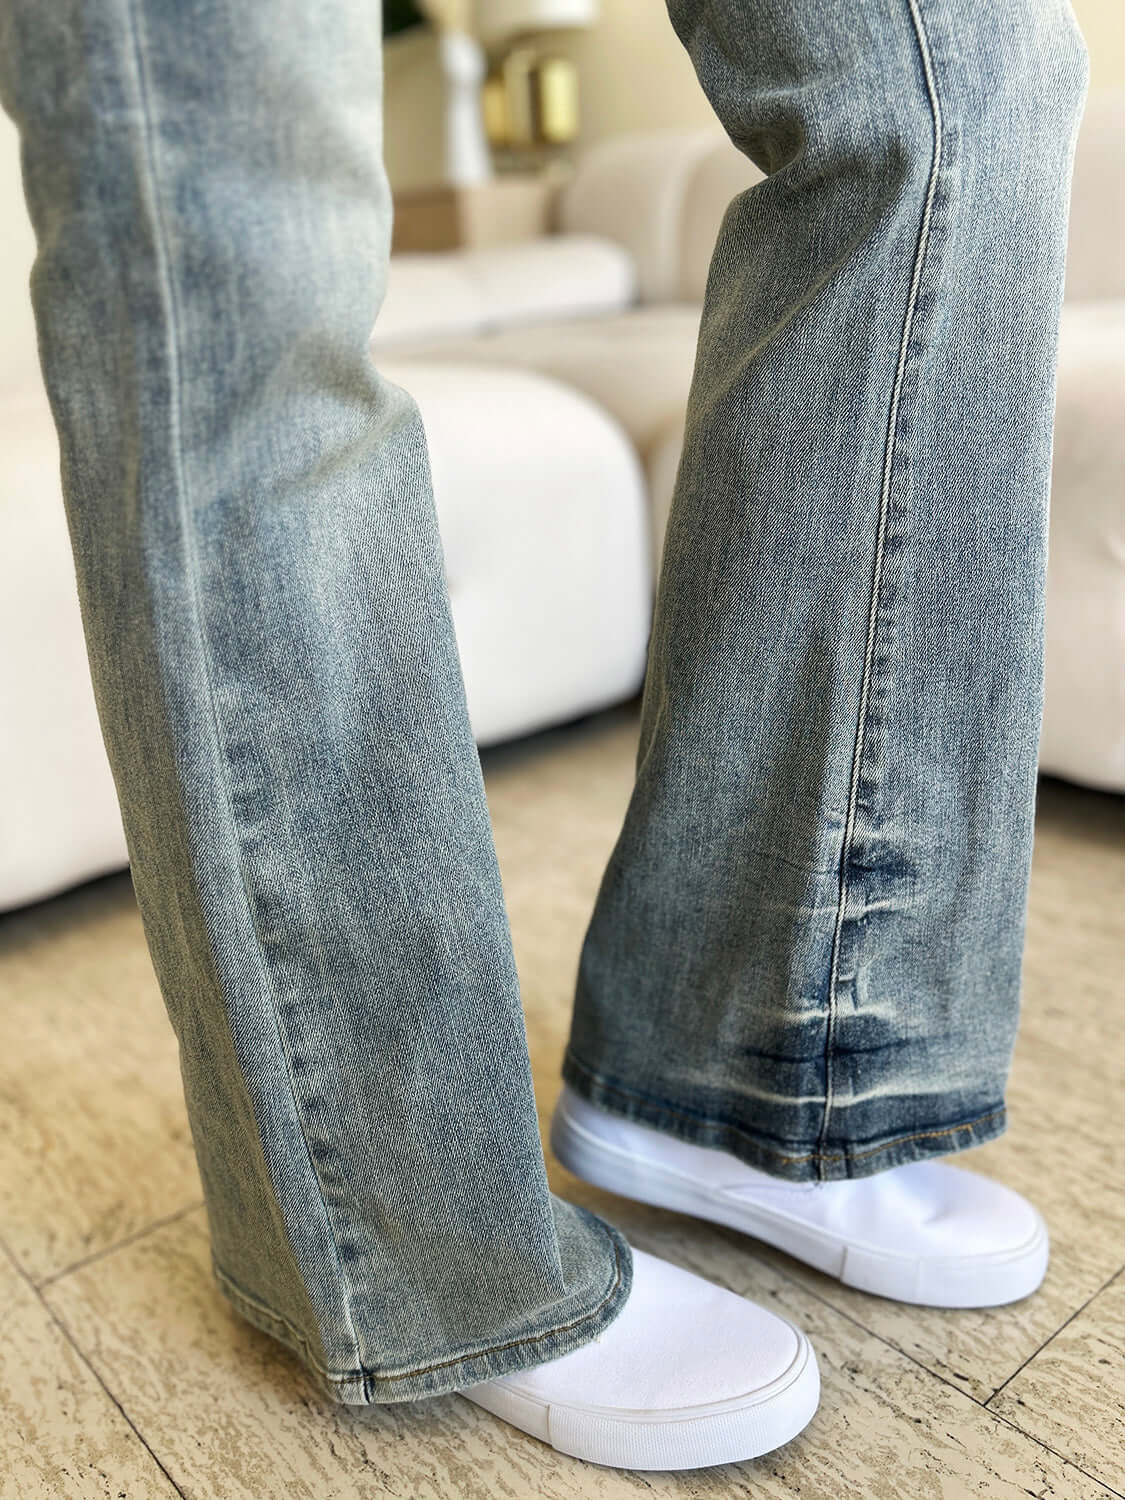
<point x="806" y="948"/>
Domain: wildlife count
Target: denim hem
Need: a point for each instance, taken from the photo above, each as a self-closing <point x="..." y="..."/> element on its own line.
<point x="363" y="1387"/>
<point x="798" y="1165"/>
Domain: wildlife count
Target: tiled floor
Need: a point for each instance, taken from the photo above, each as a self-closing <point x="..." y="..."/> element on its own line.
<point x="124" y="1374"/>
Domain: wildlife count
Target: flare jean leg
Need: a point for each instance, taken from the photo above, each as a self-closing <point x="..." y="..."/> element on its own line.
<point x="806" y="948"/>
<point x="276" y="673"/>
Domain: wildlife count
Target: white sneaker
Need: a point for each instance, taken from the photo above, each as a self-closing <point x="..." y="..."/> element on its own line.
<point x="924" y="1232"/>
<point x="687" y="1374"/>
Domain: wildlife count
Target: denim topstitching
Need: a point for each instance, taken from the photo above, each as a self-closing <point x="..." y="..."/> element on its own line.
<point x="160" y="242"/>
<point x="877" y="578"/>
<point x="252" y="1306"/>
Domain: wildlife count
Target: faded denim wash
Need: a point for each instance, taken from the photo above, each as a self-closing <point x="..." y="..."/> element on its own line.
<point x="807" y="945"/>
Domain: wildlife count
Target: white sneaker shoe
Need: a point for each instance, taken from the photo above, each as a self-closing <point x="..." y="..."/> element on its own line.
<point x="924" y="1232"/>
<point x="687" y="1374"/>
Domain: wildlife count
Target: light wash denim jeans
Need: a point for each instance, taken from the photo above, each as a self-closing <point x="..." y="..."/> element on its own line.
<point x="806" y="949"/>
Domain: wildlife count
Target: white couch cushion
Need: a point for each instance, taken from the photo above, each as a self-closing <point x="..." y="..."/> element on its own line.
<point x="718" y="178"/>
<point x="637" y="365"/>
<point x="1084" y="716"/>
<point x="58" y="810"/>
<point x="473" y="291"/>
<point x="661" y="194"/>
<point x="545" y="532"/>
<point x="631" y="189"/>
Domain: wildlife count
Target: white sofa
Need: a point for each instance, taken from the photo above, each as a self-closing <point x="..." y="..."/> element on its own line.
<point x="552" y="377"/>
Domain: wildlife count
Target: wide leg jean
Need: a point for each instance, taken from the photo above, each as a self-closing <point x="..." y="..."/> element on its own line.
<point x="806" y="948"/>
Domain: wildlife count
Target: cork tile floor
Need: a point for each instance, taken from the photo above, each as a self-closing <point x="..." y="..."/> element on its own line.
<point x="123" y="1373"/>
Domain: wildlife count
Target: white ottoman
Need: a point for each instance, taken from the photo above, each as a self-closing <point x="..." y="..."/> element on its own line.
<point x="545" y="528"/>
<point x="546" y="535"/>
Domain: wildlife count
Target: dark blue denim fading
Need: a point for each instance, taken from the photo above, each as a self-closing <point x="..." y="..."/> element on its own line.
<point x="807" y="945"/>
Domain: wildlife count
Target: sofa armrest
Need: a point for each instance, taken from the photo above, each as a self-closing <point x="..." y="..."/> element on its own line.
<point x="449" y="293"/>
<point x="661" y="195"/>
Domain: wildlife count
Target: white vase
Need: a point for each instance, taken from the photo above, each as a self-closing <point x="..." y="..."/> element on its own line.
<point x="467" y="158"/>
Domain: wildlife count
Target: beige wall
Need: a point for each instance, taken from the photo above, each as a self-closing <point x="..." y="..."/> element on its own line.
<point x="1103" y="25"/>
<point x="634" y="75"/>
<point x="633" y="72"/>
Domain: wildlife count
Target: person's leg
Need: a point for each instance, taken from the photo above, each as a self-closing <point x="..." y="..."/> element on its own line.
<point x="806" y="948"/>
<point x="270" y="641"/>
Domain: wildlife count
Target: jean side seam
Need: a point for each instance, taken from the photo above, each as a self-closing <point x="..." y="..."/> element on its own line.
<point x="371" y="1378"/>
<point x="170" y="300"/>
<point x="860" y="745"/>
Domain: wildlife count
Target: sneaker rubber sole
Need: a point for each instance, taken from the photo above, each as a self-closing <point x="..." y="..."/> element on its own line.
<point x="731" y="1431"/>
<point x="980" y="1280"/>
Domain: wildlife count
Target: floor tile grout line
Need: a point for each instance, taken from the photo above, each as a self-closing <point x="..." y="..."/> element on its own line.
<point x="796" y="1281"/>
<point x="129" y="1239"/>
<point x="803" y="1286"/>
<point x="732" y="1236"/>
<point x="1050" y="1339"/>
<point x="84" y="1357"/>
<point x="1042" y="1443"/>
<point x="728" y="1235"/>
